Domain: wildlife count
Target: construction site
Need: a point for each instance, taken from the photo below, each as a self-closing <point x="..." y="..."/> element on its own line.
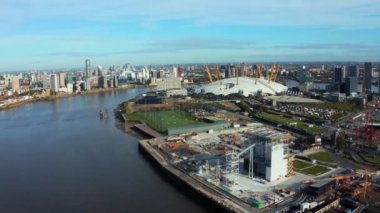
<point x="252" y="155"/>
<point x="254" y="165"/>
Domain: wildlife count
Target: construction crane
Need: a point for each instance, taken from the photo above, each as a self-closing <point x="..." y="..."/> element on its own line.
<point x="259" y="72"/>
<point x="273" y="73"/>
<point x="367" y="132"/>
<point x="218" y="74"/>
<point x="343" y="179"/>
<point x="208" y="73"/>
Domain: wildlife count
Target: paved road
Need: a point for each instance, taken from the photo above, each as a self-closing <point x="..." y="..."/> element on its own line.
<point x="347" y="163"/>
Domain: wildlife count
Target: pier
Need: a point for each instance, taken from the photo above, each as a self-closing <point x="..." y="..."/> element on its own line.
<point x="147" y="130"/>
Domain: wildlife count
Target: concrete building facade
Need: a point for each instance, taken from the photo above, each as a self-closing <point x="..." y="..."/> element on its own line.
<point x="169" y="83"/>
<point x="269" y="157"/>
<point x="15" y="83"/>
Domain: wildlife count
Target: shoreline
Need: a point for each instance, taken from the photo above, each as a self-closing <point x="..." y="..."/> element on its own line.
<point x="210" y="199"/>
<point x="51" y="98"/>
<point x="218" y="200"/>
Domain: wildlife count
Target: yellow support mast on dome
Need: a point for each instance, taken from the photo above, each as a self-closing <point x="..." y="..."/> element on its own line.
<point x="208" y="73"/>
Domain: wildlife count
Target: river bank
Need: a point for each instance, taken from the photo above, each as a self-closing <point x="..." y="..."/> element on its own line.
<point x="58" y="156"/>
<point x="50" y="98"/>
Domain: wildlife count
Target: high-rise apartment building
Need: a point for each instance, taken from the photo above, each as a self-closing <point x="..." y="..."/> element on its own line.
<point x="62" y="79"/>
<point x="54" y="83"/>
<point x="15" y="83"/>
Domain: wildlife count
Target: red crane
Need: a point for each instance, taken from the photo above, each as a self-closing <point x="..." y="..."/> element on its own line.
<point x="368" y="132"/>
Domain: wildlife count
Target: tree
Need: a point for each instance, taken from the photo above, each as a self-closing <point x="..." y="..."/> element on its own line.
<point x="129" y="107"/>
<point x="259" y="94"/>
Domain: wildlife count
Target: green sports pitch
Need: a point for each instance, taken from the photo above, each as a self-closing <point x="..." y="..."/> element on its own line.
<point x="162" y="120"/>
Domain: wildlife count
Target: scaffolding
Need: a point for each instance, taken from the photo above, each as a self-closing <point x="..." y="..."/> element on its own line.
<point x="290" y="159"/>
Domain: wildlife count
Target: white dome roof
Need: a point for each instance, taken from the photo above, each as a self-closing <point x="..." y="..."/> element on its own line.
<point x="246" y="85"/>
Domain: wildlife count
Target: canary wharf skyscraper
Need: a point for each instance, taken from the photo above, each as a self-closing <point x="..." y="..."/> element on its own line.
<point x="88" y="69"/>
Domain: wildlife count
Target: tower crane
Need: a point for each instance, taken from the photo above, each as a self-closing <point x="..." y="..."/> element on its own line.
<point x="208" y="73"/>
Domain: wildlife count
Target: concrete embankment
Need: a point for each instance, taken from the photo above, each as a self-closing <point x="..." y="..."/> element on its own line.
<point x="219" y="201"/>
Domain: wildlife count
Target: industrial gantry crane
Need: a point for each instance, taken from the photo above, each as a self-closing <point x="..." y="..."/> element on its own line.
<point x="208" y="73"/>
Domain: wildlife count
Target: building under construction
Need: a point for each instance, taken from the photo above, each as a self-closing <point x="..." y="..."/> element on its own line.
<point x="269" y="159"/>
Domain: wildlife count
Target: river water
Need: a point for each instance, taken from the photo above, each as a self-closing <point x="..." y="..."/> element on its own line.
<point x="58" y="156"/>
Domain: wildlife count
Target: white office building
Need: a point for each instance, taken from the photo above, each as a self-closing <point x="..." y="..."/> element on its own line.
<point x="54" y="83"/>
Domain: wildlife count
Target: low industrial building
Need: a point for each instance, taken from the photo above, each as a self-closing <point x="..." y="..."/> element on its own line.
<point x="320" y="188"/>
<point x="206" y="127"/>
<point x="176" y="92"/>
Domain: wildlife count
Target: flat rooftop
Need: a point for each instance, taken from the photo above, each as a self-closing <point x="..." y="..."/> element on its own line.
<point x="321" y="183"/>
<point x="269" y="133"/>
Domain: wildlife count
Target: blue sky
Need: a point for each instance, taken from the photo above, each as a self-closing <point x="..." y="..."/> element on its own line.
<point x="41" y="34"/>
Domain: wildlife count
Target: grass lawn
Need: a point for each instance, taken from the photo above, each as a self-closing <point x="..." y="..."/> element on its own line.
<point x="162" y="120"/>
<point x="308" y="168"/>
<point x="371" y="158"/>
<point x="288" y="121"/>
<point x="315" y="170"/>
<point x="322" y="156"/>
<point x="299" y="165"/>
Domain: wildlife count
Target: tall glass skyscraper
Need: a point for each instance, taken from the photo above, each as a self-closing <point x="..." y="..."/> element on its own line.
<point x="338" y="75"/>
<point x="367" y="83"/>
<point x="353" y="71"/>
<point x="88" y="69"/>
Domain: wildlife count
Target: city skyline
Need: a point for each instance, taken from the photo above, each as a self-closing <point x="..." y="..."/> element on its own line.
<point x="51" y="34"/>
